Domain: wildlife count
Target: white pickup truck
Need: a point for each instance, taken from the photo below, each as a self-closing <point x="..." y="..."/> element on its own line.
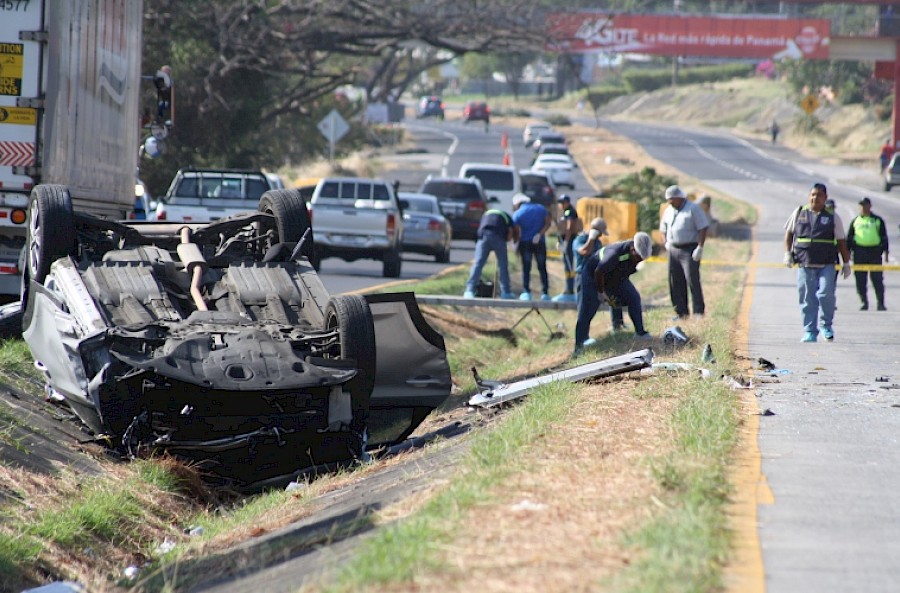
<point x="357" y="218"/>
<point x="206" y="195"/>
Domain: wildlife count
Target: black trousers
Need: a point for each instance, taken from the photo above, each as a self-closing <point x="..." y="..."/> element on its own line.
<point x="684" y="273"/>
<point x="870" y="256"/>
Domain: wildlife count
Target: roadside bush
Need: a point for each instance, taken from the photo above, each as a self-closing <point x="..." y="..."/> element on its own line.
<point x="598" y="97"/>
<point x="558" y="119"/>
<point x="645" y="188"/>
<point x="650" y="80"/>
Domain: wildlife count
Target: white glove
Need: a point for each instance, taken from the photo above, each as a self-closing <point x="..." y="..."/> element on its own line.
<point x="668" y="246"/>
<point x="536" y="239"/>
<point x="593" y="234"/>
<point x="697" y="255"/>
<point x="788" y="259"/>
<point x="845" y="271"/>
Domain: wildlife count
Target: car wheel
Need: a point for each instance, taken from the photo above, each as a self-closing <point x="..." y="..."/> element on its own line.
<point x="291" y="217"/>
<point x="351" y="316"/>
<point x="391" y="264"/>
<point x="443" y="257"/>
<point x="51" y="229"/>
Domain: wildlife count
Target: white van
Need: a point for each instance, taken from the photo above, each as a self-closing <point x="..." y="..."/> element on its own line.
<point x="497" y="181"/>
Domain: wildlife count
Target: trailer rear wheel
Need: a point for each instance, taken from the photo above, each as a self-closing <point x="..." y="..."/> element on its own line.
<point x="291" y="217"/>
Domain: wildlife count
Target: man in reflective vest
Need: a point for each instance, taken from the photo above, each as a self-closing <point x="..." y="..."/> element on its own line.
<point x="607" y="273"/>
<point x="813" y="237"/>
<point x="867" y="239"/>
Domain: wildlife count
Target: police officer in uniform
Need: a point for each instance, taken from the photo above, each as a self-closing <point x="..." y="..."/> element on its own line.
<point x="867" y="239"/>
<point x="813" y="237"/>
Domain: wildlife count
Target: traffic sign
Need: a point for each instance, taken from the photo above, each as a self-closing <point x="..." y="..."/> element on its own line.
<point x="333" y="127"/>
<point x="809" y="104"/>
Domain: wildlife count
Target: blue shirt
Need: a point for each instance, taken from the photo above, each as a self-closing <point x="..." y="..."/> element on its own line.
<point x="530" y="218"/>
<point x="579" y="240"/>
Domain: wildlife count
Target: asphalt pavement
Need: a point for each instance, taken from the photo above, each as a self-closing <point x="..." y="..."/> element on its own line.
<point x="828" y="515"/>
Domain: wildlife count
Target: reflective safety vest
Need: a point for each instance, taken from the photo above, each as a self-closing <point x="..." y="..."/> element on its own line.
<point x="814" y="242"/>
<point x="866" y="231"/>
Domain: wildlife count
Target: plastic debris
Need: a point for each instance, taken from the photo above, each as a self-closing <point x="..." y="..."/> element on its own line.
<point x="738" y="382"/>
<point x="675" y="336"/>
<point x="194" y="530"/>
<point x="882" y="379"/>
<point x="58" y="587"/>
<point x="527" y="506"/>
<point x="294" y="486"/>
<point x="767" y="412"/>
<point x="708" y="355"/>
<point x="766" y="365"/>
<point x="165" y="547"/>
<point x="131" y="572"/>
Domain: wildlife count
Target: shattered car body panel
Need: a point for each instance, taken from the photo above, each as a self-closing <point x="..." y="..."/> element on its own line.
<point x="218" y="342"/>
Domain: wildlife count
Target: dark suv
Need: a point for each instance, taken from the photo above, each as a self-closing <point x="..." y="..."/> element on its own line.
<point x="430" y="107"/>
<point x="462" y="202"/>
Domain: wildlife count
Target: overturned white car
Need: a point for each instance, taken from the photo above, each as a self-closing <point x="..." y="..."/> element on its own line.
<point x="217" y="342"/>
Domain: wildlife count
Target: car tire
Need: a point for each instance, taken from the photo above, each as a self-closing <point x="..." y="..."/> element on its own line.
<point x="443" y="257"/>
<point x="51" y="229"/>
<point x="351" y="316"/>
<point x="291" y="217"/>
<point x="391" y="264"/>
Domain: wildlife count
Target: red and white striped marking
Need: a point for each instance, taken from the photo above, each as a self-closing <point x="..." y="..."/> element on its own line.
<point x="16" y="154"/>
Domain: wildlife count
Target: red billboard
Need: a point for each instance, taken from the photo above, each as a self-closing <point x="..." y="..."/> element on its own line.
<point x="674" y="35"/>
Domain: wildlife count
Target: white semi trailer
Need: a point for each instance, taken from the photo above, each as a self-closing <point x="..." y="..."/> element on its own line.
<point x="70" y="76"/>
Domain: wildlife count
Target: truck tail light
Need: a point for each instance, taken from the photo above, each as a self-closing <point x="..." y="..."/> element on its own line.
<point x="391" y="225"/>
<point x="18" y="216"/>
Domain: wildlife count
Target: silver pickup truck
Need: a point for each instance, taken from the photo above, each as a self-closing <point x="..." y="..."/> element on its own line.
<point x="358" y="218"/>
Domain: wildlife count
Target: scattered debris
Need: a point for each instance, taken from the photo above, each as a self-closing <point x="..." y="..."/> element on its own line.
<point x="708" y="356"/>
<point x="164" y="548"/>
<point x="674" y="367"/>
<point x="131" y="572"/>
<point x="526" y="506"/>
<point x="58" y="587"/>
<point x="767" y="412"/>
<point x="295" y="486"/>
<point x="882" y="379"/>
<point x="766" y="365"/>
<point x="675" y="336"/>
<point x="738" y="382"/>
<point x="195" y="530"/>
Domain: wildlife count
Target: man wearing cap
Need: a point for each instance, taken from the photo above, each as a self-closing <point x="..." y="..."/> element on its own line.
<point x="568" y="227"/>
<point x="813" y="237"/>
<point x="494" y="230"/>
<point x="533" y="221"/>
<point x="584" y="245"/>
<point x="684" y="225"/>
<point x="607" y="272"/>
<point x="867" y="240"/>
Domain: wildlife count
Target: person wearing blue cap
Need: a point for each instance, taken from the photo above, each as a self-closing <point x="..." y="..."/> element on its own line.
<point x="814" y="236"/>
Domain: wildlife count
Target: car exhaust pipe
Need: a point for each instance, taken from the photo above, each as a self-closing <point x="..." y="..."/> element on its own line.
<point x="195" y="264"/>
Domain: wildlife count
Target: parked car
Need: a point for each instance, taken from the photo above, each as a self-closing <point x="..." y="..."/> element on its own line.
<point x="559" y="166"/>
<point x="497" y="181"/>
<point x="431" y="106"/>
<point x="462" y="202"/>
<point x="533" y="130"/>
<point x="892" y="172"/>
<point x="205" y="195"/>
<point x="218" y="343"/>
<point x="476" y="111"/>
<point x="425" y="228"/>
<point x="551" y="138"/>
